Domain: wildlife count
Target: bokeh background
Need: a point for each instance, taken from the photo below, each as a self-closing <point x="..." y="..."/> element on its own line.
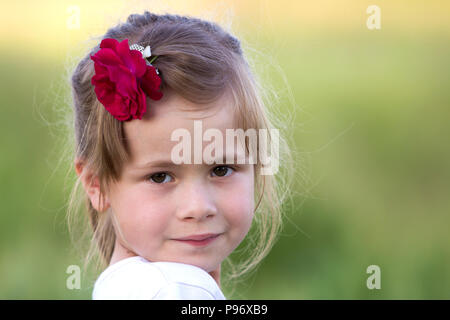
<point x="371" y="110"/>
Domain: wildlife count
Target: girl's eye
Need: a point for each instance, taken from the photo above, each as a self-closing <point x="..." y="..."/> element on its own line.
<point x="222" y="171"/>
<point x="160" y="177"/>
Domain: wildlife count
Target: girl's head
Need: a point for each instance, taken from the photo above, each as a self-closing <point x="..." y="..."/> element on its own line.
<point x="139" y="201"/>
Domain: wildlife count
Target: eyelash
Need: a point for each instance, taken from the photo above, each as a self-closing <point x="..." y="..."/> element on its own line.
<point x="149" y="177"/>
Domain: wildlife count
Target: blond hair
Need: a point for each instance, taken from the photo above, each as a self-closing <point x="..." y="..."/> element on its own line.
<point x="199" y="61"/>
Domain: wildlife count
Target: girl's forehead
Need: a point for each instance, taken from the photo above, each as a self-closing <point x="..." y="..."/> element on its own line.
<point x="169" y="117"/>
<point x="172" y="103"/>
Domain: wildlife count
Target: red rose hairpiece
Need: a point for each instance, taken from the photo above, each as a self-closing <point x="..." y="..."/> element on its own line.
<point x="123" y="77"/>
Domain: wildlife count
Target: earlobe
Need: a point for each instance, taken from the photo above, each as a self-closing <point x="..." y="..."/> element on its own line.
<point x="92" y="187"/>
<point x="78" y="164"/>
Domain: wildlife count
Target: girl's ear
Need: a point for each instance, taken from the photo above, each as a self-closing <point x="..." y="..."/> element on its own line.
<point x="91" y="186"/>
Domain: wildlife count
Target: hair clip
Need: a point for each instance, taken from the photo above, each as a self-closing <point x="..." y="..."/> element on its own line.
<point x="146" y="53"/>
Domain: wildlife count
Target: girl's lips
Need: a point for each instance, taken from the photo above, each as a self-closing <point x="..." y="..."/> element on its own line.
<point x="200" y="239"/>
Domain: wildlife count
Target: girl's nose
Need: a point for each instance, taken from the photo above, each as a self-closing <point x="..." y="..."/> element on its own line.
<point x="195" y="203"/>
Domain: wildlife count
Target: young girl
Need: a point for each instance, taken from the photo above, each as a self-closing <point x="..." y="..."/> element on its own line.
<point x="163" y="228"/>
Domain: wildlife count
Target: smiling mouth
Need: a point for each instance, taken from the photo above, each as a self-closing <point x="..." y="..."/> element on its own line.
<point x="199" y="240"/>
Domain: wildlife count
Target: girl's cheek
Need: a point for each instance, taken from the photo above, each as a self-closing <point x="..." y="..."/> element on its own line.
<point x="240" y="208"/>
<point x="154" y="215"/>
<point x="144" y="217"/>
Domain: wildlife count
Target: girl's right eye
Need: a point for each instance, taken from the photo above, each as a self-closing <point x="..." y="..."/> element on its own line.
<point x="160" y="177"/>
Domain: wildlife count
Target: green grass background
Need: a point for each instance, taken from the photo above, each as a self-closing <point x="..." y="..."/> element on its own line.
<point x="372" y="116"/>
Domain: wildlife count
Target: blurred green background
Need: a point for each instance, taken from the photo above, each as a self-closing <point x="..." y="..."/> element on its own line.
<point x="372" y="124"/>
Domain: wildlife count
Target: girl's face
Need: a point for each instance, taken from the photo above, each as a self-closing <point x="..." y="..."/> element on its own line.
<point x="189" y="213"/>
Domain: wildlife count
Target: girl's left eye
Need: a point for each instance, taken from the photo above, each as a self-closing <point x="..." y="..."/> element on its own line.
<point x="160" y="177"/>
<point x="222" y="171"/>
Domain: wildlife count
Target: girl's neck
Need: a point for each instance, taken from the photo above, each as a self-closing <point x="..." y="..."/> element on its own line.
<point x="120" y="253"/>
<point x="215" y="274"/>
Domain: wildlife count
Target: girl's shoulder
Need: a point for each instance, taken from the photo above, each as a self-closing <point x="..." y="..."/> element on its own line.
<point x="138" y="278"/>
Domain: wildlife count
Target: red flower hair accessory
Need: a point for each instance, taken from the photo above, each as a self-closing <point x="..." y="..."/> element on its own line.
<point x="123" y="77"/>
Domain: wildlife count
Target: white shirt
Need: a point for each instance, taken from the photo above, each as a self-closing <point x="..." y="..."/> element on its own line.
<point x="139" y="279"/>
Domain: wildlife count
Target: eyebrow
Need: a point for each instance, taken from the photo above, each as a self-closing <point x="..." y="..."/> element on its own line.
<point x="156" y="163"/>
<point x="169" y="163"/>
